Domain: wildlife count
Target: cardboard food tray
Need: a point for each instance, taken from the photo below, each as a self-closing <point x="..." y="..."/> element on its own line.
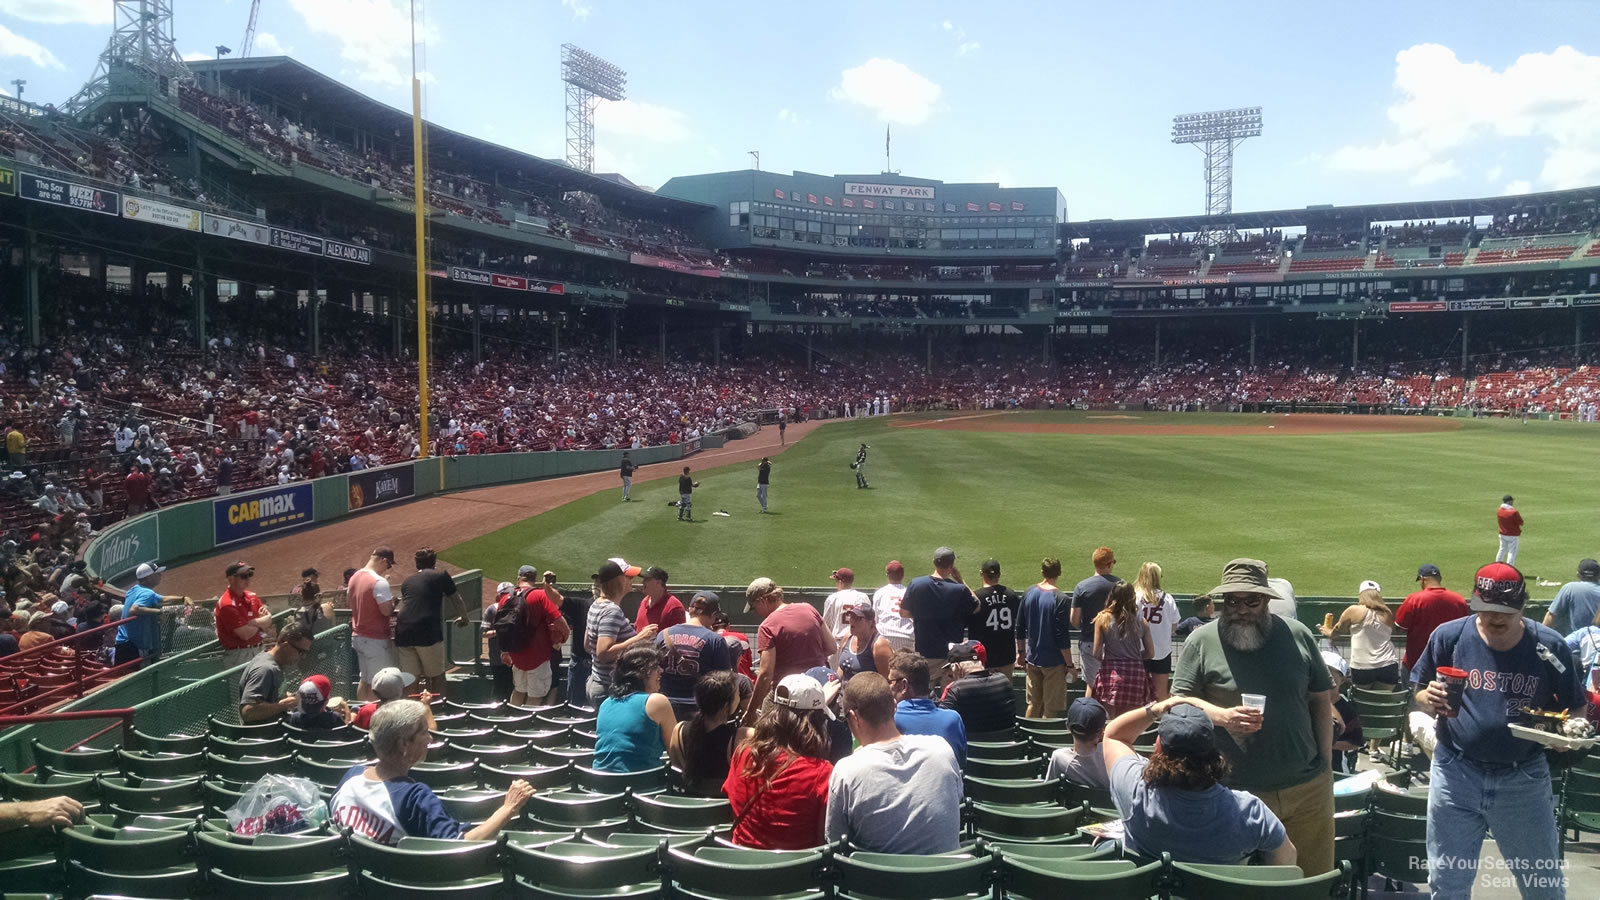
<point x="1557" y="741"/>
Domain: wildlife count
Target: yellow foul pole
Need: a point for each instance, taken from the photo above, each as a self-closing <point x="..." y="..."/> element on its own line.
<point x="420" y="204"/>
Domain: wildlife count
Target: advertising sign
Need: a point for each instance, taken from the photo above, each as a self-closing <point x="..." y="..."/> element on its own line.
<point x="546" y="287"/>
<point x="907" y="191"/>
<point x="1419" y="306"/>
<point x="153" y="211"/>
<point x="121" y="553"/>
<point x="347" y="252"/>
<point x="470" y="276"/>
<point x="240" y="517"/>
<point x="68" y="193"/>
<point x="8" y="182"/>
<point x="1477" y="305"/>
<point x="510" y="282"/>
<point x="375" y="487"/>
<point x="690" y="448"/>
<point x="236" y="229"/>
<point x="294" y="240"/>
<point x="1540" y="303"/>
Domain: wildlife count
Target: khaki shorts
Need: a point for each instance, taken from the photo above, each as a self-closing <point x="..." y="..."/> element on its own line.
<point x="532" y="683"/>
<point x="423" y="662"/>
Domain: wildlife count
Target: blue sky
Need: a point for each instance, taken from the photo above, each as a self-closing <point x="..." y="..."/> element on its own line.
<point x="1362" y="101"/>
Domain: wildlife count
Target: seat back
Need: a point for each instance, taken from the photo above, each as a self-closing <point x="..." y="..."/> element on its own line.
<point x="740" y="872"/>
<point x="234" y="731"/>
<point x="1204" y="882"/>
<point x="584" y="867"/>
<point x="269" y="854"/>
<point x="1006" y="750"/>
<point x="246" y="770"/>
<point x="74" y="762"/>
<point x="1004" y="769"/>
<point x="175" y="743"/>
<point x="81" y="788"/>
<point x="165" y="797"/>
<point x="446" y="775"/>
<point x="1010" y="792"/>
<point x="1038" y="879"/>
<point x="426" y="860"/>
<point x="217" y="745"/>
<point x="666" y="812"/>
<point x="350" y="749"/>
<point x="1048" y="824"/>
<point x="141" y="765"/>
<point x="645" y="781"/>
<point x="542" y="778"/>
<point x="897" y="875"/>
<point x="128" y="851"/>
<point x="575" y="809"/>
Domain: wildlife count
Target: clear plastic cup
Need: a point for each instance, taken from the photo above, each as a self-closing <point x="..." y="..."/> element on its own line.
<point x="1254" y="701"/>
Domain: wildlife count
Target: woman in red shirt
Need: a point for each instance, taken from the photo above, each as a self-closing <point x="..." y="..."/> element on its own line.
<point x="778" y="782"/>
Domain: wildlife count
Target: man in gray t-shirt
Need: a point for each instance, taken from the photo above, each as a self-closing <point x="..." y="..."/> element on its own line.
<point x="897" y="793"/>
<point x="261" y="679"/>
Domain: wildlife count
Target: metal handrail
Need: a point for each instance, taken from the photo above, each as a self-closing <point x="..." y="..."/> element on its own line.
<point x="125" y="715"/>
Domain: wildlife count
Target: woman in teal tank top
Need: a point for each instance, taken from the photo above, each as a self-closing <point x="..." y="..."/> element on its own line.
<point x="635" y="725"/>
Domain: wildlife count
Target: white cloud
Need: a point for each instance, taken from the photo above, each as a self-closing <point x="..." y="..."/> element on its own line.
<point x="963" y="46"/>
<point x="790" y="117"/>
<point x="59" y="12"/>
<point x="374" y="35"/>
<point x="580" y="8"/>
<point x="890" y="89"/>
<point x="1494" y="173"/>
<point x="967" y="47"/>
<point x="267" y="44"/>
<point x="198" y="55"/>
<point x="637" y="119"/>
<point x="1446" y="107"/>
<point x="1520" y="186"/>
<point x="13" y="44"/>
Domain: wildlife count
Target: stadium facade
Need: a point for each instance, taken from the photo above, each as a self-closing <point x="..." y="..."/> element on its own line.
<point x="263" y="173"/>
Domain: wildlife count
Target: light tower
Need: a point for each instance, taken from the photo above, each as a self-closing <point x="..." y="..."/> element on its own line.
<point x="1217" y="134"/>
<point x="141" y="39"/>
<point x="589" y="80"/>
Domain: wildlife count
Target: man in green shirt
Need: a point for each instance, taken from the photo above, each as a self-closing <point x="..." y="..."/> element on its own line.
<point x="1281" y="752"/>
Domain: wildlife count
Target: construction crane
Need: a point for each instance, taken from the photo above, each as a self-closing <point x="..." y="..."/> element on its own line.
<point x="250" y="30"/>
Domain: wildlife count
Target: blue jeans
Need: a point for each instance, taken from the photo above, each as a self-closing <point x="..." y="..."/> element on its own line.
<point x="577" y="681"/>
<point x="1467" y="799"/>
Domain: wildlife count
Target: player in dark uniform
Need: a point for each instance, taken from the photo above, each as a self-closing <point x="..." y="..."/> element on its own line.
<point x="994" y="623"/>
<point x="686" y="486"/>
<point x="627" y="476"/>
<point x="860" y="465"/>
<point x="763" y="478"/>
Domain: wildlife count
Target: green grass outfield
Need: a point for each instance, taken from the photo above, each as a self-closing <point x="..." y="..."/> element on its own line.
<point x="1325" y="511"/>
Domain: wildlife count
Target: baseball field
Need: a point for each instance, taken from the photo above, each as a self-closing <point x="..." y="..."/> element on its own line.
<point x="1326" y="500"/>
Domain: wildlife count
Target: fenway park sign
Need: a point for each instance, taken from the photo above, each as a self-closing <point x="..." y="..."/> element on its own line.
<point x="893" y="191"/>
<point x="506" y="282"/>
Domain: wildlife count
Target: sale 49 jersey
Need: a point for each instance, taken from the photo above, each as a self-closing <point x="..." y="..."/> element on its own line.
<point x="994" y="625"/>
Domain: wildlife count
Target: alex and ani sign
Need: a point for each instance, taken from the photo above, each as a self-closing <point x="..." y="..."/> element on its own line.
<point x="869" y="189"/>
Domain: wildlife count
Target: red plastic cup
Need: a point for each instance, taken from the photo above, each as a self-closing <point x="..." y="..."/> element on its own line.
<point x="1455" y="681"/>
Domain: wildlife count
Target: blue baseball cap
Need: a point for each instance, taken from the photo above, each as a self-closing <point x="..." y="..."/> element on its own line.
<point x="1086" y="716"/>
<point x="1185" y="730"/>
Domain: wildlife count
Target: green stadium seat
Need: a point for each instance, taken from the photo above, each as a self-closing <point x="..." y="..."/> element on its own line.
<point x="648" y="781"/>
<point x="1007" y="750"/>
<point x="1389" y="797"/>
<point x="500" y="720"/>
<point x="141" y="765"/>
<point x="82" y="788"/>
<point x="538" y="736"/>
<point x="245" y="770"/>
<point x="489" y="752"/>
<point x="582" y="869"/>
<point x="456" y="706"/>
<point x="542" y="778"/>
<point x="473" y="806"/>
<point x="636" y="841"/>
<point x="1084" y="850"/>
<point x="428" y="867"/>
<point x="713" y="873"/>
<point x="1211" y="882"/>
<point x="1396" y="844"/>
<point x="221" y="796"/>
<point x="322" y="774"/>
<point x="992" y="737"/>
<point x="74" y="762"/>
<point x="134" y="863"/>
<point x="446" y="775"/>
<point x="28" y="862"/>
<point x="217" y="745"/>
<point x="235" y="731"/>
<point x="175" y="743"/>
<point x="561" y="755"/>
<point x="352" y="750"/>
<point x="1074" y="794"/>
<point x="165" y="798"/>
<point x="559" y="810"/>
<point x="681" y="815"/>
<point x="301" y="867"/>
<point x="466" y="734"/>
<point x="892" y="876"/>
<point x="1016" y="792"/>
<point x="1032" y="878"/>
<point x="1580" y="811"/>
<point x="1047" y="724"/>
<point x="342" y="733"/>
<point x="565" y="718"/>
<point x="1004" y="769"/>
<point x="1043" y="824"/>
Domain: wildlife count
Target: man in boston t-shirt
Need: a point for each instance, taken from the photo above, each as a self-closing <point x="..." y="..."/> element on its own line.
<point x="690" y="650"/>
<point x="1485" y="778"/>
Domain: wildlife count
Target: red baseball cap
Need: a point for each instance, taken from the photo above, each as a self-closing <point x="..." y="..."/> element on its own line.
<point x="1498" y="588"/>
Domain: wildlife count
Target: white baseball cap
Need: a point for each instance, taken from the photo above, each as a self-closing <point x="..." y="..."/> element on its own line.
<point x="1370" y="585"/>
<point x="504" y="587"/>
<point x="145" y="570"/>
<point x="390" y="683"/>
<point x="801" y="692"/>
<point x="1333" y="660"/>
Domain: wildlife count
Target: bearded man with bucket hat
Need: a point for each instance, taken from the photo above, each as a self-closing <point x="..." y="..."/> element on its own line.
<point x="1261" y="681"/>
<point x="1479" y="674"/>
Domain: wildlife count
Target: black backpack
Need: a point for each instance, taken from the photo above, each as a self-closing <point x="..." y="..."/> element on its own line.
<point x="511" y="622"/>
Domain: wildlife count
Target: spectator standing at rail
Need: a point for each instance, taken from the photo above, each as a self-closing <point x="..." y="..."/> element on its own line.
<point x="938" y="606"/>
<point x="419" y="621"/>
<point x="892" y="624"/>
<point x="690" y="651"/>
<point x="141" y="637"/>
<point x="1510" y="525"/>
<point x="1578" y="601"/>
<point x="498" y="670"/>
<point x="844" y="596"/>
<point x="1044" y="641"/>
<point x="792" y="638"/>
<point x="1088" y="598"/>
<point x="1281" y="750"/>
<point x="371" y="610"/>
<point x="1373" y="658"/>
<point x="1160" y="612"/>
<point x="863" y="649"/>
<point x="996" y="621"/>
<point x="658" y="607"/>
<point x="1122" y="644"/>
<point x="536" y="609"/>
<point x="243" y="623"/>
<point x="607" y="631"/>
<point x="1426" y="609"/>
